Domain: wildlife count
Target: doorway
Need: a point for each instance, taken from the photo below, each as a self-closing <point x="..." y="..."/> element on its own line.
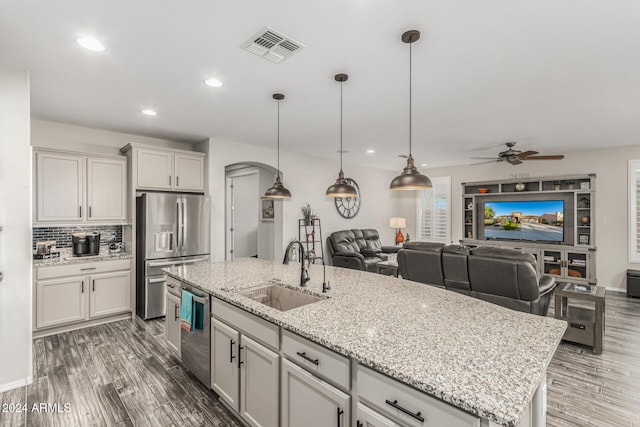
<point x="242" y="213"/>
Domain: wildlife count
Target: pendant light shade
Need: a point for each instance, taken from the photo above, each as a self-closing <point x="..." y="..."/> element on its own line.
<point x="341" y="188"/>
<point x="278" y="190"/>
<point x="410" y="178"/>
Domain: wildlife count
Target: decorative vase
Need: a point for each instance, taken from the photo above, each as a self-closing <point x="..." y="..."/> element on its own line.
<point x="585" y="220"/>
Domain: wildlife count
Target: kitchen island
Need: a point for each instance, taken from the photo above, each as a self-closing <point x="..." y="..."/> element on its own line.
<point x="483" y="359"/>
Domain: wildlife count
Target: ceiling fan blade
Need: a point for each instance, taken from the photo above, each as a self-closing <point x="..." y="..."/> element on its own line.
<point x="483" y="163"/>
<point x="526" y="154"/>
<point x="556" y="157"/>
<point x="514" y="160"/>
<point x="486" y="158"/>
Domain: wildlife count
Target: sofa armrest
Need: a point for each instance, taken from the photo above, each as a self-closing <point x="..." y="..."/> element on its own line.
<point x="546" y="284"/>
<point x="370" y="252"/>
<point x="349" y="260"/>
<point x="390" y="249"/>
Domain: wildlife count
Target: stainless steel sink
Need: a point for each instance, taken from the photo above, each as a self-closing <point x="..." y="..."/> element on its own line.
<point x="280" y="297"/>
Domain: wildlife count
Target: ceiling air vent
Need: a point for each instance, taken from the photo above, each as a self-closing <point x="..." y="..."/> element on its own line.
<point x="272" y="45"/>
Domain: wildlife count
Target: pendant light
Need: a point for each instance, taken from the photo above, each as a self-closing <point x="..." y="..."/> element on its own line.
<point x="410" y="178"/>
<point x="278" y="191"/>
<point x="341" y="188"/>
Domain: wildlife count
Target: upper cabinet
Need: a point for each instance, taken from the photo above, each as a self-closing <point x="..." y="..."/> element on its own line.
<point x="75" y="188"/>
<point x="167" y="169"/>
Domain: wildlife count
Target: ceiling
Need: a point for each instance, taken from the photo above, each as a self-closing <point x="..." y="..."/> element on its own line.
<point x="557" y="76"/>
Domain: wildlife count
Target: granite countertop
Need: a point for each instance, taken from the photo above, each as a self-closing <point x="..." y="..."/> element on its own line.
<point x="66" y="258"/>
<point x="485" y="359"/>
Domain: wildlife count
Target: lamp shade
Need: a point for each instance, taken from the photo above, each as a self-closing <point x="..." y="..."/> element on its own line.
<point x="397" y="222"/>
<point x="341" y="188"/>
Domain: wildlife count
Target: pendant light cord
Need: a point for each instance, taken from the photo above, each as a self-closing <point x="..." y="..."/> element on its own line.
<point x="278" y="161"/>
<point x="410" y="79"/>
<point x="341" y="126"/>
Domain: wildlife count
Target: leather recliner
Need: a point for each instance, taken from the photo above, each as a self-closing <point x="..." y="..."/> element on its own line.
<point x="357" y="249"/>
<point x="505" y="277"/>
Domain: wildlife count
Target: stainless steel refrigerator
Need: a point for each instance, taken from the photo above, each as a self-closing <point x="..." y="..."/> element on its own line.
<point x="171" y="229"/>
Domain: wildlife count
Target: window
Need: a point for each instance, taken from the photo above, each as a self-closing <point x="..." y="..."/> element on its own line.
<point x="634" y="210"/>
<point x="434" y="211"/>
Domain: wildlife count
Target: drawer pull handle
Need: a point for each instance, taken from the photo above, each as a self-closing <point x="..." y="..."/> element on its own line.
<point x="305" y="357"/>
<point x="231" y="356"/>
<point x="87" y="268"/>
<point x="417" y="415"/>
<point x="176" y="316"/>
<point x="340" y="412"/>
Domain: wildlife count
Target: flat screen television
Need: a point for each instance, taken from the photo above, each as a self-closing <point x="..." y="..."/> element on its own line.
<point x="528" y="220"/>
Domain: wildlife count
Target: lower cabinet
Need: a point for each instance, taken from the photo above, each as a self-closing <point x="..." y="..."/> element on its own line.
<point x="172" y="321"/>
<point x="244" y="373"/>
<point x="308" y="401"/>
<point x="76" y="293"/>
<point x="367" y="417"/>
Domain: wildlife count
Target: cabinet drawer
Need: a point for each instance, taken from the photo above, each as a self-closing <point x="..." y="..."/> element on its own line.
<point x="245" y="322"/>
<point x="407" y="404"/>
<point x="81" y="269"/>
<point x="321" y="361"/>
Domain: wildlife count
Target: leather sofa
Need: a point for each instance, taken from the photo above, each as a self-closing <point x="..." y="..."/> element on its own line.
<point x="359" y="249"/>
<point x="505" y="277"/>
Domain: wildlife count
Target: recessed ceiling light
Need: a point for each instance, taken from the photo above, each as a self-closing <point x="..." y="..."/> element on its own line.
<point x="371" y="151"/>
<point x="91" y="44"/>
<point x="213" y="82"/>
<point x="424" y="165"/>
<point x="149" y="112"/>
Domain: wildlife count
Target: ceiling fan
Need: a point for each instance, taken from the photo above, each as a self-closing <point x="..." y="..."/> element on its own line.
<point x="515" y="157"/>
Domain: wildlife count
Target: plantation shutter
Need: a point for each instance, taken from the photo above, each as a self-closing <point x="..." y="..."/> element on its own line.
<point x="434" y="211"/>
<point x="634" y="210"/>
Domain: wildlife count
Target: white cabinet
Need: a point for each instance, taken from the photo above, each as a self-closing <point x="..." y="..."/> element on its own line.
<point x="75" y="293"/>
<point x="224" y="363"/>
<point x="155" y="169"/>
<point x="106" y="189"/>
<point x="308" y="401"/>
<point x="172" y="320"/>
<point x="259" y="395"/>
<point x="59" y="187"/>
<point x="189" y="172"/>
<point x="367" y="417"/>
<point x="110" y="293"/>
<point x="73" y="188"/>
<point x="167" y="169"/>
<point x="60" y="301"/>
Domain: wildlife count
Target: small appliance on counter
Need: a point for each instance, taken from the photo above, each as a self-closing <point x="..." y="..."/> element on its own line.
<point x="85" y="243"/>
<point x="46" y="250"/>
<point x="115" y="248"/>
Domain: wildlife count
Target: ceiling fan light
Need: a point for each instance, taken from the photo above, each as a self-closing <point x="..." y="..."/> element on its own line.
<point x="410" y="179"/>
<point x="341" y="188"/>
<point x="277" y="191"/>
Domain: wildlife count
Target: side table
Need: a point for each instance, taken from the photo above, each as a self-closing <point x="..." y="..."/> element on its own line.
<point x="586" y="325"/>
<point x="387" y="265"/>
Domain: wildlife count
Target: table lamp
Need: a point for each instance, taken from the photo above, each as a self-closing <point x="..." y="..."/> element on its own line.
<point x="398" y="224"/>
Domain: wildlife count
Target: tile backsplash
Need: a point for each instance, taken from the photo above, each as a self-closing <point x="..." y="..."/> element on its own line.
<point x="62" y="235"/>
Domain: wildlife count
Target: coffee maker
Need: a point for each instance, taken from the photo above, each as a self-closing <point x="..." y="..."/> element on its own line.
<point x="85" y="243"/>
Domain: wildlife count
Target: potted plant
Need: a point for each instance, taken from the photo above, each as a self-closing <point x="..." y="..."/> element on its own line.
<point x="556" y="185"/>
<point x="306" y="214"/>
<point x="570" y="184"/>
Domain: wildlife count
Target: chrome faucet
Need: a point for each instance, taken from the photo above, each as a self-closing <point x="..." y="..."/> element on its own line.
<point x="304" y="273"/>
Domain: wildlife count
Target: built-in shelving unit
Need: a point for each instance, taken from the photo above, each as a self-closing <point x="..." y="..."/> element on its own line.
<point x="572" y="259"/>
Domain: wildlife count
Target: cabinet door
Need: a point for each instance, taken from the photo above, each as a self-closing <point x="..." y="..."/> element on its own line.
<point x="59" y="187"/>
<point x="367" y="417"/>
<point x="173" y="323"/>
<point x="155" y="169"/>
<point x="109" y="293"/>
<point x="310" y="402"/>
<point x="106" y="189"/>
<point x="189" y="172"/>
<point x="258" y="384"/>
<point x="60" y="301"/>
<point x="224" y="363"/>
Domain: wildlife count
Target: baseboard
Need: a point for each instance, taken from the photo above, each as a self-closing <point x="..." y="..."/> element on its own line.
<point x="80" y="325"/>
<point x="16" y="384"/>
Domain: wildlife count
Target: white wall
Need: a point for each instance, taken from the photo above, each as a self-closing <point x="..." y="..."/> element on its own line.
<point x="15" y="239"/>
<point x="611" y="217"/>
<point x="307" y="178"/>
<point x="62" y="136"/>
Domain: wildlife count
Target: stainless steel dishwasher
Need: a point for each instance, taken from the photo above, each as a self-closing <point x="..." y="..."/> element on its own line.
<point x="195" y="347"/>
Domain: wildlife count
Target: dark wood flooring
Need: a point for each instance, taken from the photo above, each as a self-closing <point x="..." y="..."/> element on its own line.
<point x="119" y="374"/>
<point x="122" y="374"/>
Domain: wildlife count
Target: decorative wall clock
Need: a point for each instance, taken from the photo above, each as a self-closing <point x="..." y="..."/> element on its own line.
<point x="348" y="207"/>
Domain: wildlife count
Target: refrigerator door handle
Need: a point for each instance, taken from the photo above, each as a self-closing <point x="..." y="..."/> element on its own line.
<point x="185" y="221"/>
<point x="179" y="225"/>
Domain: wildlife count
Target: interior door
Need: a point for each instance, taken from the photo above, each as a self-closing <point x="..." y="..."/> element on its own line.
<point x="196" y="224"/>
<point x="244" y="210"/>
